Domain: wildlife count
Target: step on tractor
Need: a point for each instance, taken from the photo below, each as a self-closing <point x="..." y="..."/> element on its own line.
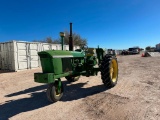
<point x="72" y="64"/>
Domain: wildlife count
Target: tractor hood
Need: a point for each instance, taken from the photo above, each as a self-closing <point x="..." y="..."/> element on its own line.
<point x="60" y="54"/>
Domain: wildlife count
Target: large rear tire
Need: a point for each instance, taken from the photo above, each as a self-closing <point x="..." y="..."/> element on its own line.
<point x="109" y="71"/>
<point x="54" y="91"/>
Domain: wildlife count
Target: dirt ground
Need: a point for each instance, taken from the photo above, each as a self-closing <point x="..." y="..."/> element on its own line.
<point x="135" y="97"/>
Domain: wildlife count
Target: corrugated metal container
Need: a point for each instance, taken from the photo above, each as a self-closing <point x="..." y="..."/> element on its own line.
<point x="6" y="55"/>
<point x="19" y="55"/>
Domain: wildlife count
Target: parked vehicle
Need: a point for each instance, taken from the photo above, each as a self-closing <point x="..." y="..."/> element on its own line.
<point x="133" y="51"/>
<point x="125" y="52"/>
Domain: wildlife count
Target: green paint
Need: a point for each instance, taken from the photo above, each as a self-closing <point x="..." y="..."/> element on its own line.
<point x="51" y="64"/>
<point x="62" y="75"/>
<point x="51" y="53"/>
<point x="57" y="65"/>
<point x="47" y="65"/>
<point x="99" y="52"/>
<point x="77" y="54"/>
<point x="44" y="77"/>
<point x="48" y="77"/>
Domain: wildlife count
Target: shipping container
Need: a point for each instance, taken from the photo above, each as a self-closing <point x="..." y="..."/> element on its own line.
<point x="20" y="55"/>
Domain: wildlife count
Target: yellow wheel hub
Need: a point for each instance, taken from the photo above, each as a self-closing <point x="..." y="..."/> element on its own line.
<point x="57" y="94"/>
<point x="113" y="70"/>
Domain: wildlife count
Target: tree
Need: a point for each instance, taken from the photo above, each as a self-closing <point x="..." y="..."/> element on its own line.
<point x="77" y="39"/>
<point x="56" y="41"/>
<point x="49" y="40"/>
<point x="148" y="48"/>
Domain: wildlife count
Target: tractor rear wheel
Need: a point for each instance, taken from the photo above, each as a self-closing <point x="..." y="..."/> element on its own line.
<point x="55" y="91"/>
<point x="109" y="71"/>
<point x="72" y="79"/>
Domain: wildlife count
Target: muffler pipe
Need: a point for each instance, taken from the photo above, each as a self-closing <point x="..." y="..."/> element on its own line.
<point x="70" y="39"/>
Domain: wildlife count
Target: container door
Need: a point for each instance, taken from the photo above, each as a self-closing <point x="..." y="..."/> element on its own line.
<point x="54" y="47"/>
<point x="67" y="47"/>
<point x="22" y="55"/>
<point x="46" y="47"/>
<point x="59" y="47"/>
<point x="0" y="56"/>
<point x="5" y="56"/>
<point x="33" y="55"/>
<point x="11" y="57"/>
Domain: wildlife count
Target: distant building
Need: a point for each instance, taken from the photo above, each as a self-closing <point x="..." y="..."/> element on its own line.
<point x="158" y="47"/>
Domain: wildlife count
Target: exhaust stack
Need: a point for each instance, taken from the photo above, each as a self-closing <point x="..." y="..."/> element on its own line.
<point x="70" y="39"/>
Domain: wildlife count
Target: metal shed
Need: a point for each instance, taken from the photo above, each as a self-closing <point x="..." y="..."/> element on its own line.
<point x="20" y="55"/>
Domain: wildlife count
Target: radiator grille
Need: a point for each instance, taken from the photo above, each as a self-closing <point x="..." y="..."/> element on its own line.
<point x="66" y="64"/>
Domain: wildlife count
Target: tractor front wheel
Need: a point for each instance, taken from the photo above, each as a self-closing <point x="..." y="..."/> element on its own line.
<point x="55" y="91"/>
<point x="109" y="71"/>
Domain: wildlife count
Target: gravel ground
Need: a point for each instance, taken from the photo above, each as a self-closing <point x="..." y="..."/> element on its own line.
<point x="135" y="97"/>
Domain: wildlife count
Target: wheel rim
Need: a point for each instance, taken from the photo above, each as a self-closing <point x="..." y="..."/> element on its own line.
<point x="57" y="91"/>
<point x="58" y="88"/>
<point x="76" y="78"/>
<point x="113" y="70"/>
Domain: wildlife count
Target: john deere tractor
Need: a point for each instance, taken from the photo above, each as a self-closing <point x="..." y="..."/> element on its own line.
<point x="73" y="64"/>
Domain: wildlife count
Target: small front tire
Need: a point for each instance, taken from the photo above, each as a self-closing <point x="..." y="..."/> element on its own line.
<point x="54" y="91"/>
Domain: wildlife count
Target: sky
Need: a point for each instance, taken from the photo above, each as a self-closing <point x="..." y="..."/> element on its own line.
<point x="116" y="24"/>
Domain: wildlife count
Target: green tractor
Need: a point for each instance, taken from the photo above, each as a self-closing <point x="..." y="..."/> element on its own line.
<point x="73" y="64"/>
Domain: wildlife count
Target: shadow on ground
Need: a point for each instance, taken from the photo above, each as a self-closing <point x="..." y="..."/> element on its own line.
<point x="14" y="107"/>
<point x="39" y="99"/>
<point x="76" y="91"/>
<point x="6" y="71"/>
<point x="30" y="90"/>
